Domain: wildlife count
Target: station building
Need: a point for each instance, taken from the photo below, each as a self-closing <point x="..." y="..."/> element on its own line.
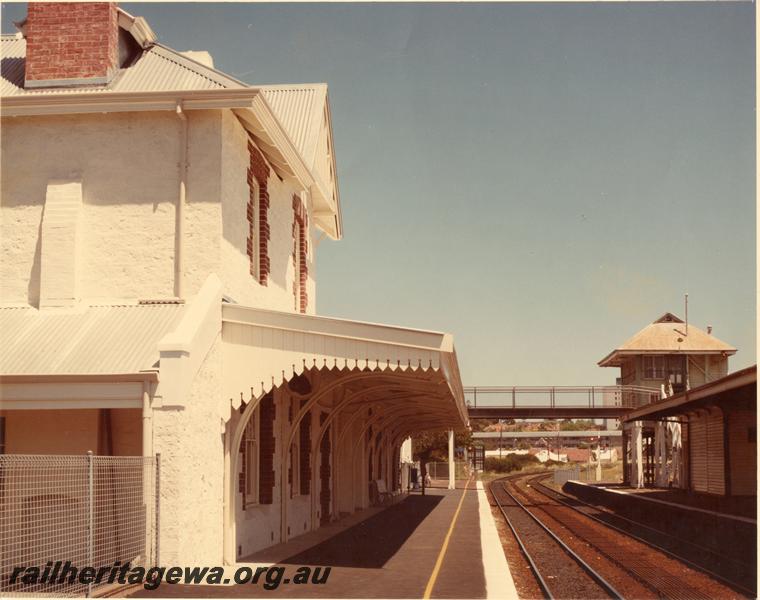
<point x="159" y="232"/>
<point x="687" y="447"/>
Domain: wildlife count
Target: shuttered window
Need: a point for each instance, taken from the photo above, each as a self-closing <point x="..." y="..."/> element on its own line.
<point x="698" y="453"/>
<point x="706" y="454"/>
<point x="267" y="413"/>
<point x="251" y="461"/>
<point x="715" y="461"/>
<point x="305" y="455"/>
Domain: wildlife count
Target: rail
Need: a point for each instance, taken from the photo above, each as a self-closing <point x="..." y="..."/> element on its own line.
<point x="584" y="566"/>
<point x="646" y="534"/>
<point x="560" y="396"/>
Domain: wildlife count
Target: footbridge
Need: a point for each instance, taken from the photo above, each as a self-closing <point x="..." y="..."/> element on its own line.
<point x="556" y="402"/>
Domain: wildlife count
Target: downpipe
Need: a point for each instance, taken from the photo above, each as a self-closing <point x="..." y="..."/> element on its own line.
<point x="181" y="200"/>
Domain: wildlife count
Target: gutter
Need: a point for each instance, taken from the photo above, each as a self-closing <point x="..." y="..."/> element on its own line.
<point x="249" y="100"/>
<point x="150" y="376"/>
<point x="91" y="102"/>
<point x="607" y="361"/>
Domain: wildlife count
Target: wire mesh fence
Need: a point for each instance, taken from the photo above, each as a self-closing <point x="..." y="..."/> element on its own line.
<point x="61" y="514"/>
<point x="440" y="470"/>
<point x="579" y="473"/>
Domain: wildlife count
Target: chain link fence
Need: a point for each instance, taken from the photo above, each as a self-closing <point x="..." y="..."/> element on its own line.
<point x="89" y="511"/>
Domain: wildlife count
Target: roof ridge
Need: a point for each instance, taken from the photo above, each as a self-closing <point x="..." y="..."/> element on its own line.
<point x="210" y="73"/>
<point x="285" y="86"/>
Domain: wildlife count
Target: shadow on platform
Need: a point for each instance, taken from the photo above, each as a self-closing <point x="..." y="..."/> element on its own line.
<point x="371" y="543"/>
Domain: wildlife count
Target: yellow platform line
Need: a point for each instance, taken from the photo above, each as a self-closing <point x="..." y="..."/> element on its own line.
<point x="444" y="547"/>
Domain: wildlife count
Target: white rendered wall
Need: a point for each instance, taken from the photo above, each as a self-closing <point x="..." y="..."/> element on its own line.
<point x="189" y="439"/>
<point x="240" y="285"/>
<point x="128" y="165"/>
<point x="128" y="213"/>
<point x="258" y="526"/>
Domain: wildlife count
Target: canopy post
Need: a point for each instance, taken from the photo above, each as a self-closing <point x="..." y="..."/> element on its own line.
<point x="452" y="478"/>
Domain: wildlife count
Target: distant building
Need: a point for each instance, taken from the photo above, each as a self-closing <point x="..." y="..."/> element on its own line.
<point x="542" y="454"/>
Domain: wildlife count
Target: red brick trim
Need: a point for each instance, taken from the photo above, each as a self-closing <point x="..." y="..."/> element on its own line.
<point x="267" y="414"/>
<point x="324" y="473"/>
<point x="305" y="453"/>
<point x="300" y="248"/>
<point x="258" y="170"/>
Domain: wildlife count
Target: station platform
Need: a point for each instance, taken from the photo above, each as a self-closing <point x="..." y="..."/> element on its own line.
<point x="727" y="526"/>
<point x="441" y="545"/>
<point x="732" y="508"/>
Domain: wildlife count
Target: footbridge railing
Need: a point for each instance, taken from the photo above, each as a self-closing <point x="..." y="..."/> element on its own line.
<point x="560" y="397"/>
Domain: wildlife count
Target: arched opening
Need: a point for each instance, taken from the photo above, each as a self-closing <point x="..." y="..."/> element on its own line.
<point x="310" y="469"/>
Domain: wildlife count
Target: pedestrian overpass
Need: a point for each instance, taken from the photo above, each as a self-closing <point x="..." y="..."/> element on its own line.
<point x="556" y="402"/>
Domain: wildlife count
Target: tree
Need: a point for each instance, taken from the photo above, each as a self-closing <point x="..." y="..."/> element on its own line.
<point x="484" y="424"/>
<point x="434" y="446"/>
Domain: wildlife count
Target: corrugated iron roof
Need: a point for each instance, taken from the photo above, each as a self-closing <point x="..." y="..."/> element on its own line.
<point x="156" y="69"/>
<point x="299" y="108"/>
<point x="98" y="339"/>
<point x="668" y="335"/>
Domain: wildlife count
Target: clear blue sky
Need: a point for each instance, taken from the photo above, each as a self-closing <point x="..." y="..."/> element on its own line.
<point x="540" y="180"/>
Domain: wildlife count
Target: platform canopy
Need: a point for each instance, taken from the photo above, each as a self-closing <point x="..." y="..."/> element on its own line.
<point x="737" y="390"/>
<point x="412" y="373"/>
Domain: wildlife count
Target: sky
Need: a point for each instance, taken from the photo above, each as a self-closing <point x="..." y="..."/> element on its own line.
<point x="540" y="180"/>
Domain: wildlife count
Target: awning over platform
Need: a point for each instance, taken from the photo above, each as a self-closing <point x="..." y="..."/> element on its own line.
<point x="736" y="389"/>
<point x="382" y="364"/>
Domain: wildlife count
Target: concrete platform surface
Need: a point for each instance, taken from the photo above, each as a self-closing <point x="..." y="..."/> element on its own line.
<point x="744" y="507"/>
<point x="700" y="521"/>
<point x="441" y="545"/>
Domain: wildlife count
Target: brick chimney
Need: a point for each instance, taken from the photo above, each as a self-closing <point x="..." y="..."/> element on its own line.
<point x="71" y="44"/>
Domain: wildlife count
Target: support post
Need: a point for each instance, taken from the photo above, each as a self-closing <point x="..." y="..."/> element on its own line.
<point x="452" y="480"/>
<point x="158" y="509"/>
<point x="626" y="472"/>
<point x="90" y="516"/>
<point x="148" y="469"/>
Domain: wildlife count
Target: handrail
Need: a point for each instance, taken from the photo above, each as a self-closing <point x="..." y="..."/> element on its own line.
<point x="560" y="388"/>
<point x="629" y="396"/>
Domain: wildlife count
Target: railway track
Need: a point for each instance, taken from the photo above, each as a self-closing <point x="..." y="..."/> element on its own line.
<point x="628" y="562"/>
<point x="734" y="573"/>
<point x="561" y="574"/>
